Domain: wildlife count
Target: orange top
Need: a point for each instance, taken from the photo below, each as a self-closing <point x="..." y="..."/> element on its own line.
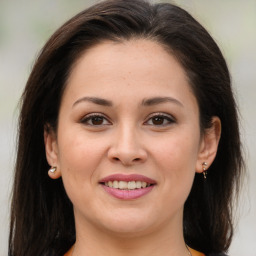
<point x="193" y="252"/>
<point x="196" y="253"/>
<point x="69" y="252"/>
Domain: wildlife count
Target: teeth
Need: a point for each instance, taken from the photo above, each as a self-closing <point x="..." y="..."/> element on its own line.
<point x="144" y="184"/>
<point x="109" y="184"/>
<point x="115" y="184"/>
<point x="138" y="184"/>
<point x="131" y="185"/>
<point x="124" y="185"/>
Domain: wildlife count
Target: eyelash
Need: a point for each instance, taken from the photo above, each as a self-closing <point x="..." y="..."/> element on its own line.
<point x="88" y="118"/>
<point x="167" y="119"/>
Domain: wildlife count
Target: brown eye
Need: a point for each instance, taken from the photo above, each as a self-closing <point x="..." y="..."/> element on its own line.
<point x="95" y="120"/>
<point x="158" y="120"/>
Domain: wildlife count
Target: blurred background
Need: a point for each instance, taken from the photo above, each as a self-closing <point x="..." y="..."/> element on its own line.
<point x="25" y="26"/>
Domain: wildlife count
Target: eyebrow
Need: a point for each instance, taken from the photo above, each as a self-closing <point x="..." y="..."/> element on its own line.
<point x="95" y="100"/>
<point x="145" y="102"/>
<point x="159" y="100"/>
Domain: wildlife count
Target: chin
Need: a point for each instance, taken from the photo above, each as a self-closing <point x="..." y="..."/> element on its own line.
<point x="127" y="224"/>
<point x="128" y="231"/>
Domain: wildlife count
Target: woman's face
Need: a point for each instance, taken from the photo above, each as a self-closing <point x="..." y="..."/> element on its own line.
<point x="128" y="141"/>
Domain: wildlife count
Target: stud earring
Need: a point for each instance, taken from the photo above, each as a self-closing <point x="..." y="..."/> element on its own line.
<point x="52" y="169"/>
<point x="204" y="164"/>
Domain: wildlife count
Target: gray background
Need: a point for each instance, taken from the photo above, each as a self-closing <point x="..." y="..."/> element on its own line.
<point x="24" y="27"/>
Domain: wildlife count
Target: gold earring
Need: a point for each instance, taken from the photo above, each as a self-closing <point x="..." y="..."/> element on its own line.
<point x="53" y="169"/>
<point x="204" y="164"/>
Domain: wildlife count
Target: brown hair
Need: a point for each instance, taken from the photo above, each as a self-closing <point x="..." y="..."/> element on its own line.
<point x="42" y="221"/>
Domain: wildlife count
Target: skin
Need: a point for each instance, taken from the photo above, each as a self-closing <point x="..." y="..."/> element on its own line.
<point x="126" y="139"/>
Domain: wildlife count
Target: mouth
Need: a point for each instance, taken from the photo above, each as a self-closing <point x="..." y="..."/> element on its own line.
<point x="124" y="185"/>
<point x="127" y="186"/>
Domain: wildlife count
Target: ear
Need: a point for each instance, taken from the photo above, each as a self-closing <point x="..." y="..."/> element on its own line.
<point x="51" y="151"/>
<point x="209" y="145"/>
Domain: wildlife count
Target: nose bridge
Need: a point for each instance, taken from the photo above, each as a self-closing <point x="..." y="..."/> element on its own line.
<point x="127" y="138"/>
<point x="127" y="145"/>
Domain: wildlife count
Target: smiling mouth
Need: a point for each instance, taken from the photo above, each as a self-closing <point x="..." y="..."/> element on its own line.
<point x="127" y="187"/>
<point x="130" y="185"/>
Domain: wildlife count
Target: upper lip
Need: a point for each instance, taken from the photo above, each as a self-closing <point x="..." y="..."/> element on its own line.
<point x="129" y="177"/>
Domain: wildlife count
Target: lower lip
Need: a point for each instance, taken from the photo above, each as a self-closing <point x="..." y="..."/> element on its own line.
<point x="127" y="194"/>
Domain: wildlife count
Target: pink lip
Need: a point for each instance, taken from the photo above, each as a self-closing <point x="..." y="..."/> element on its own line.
<point x="127" y="194"/>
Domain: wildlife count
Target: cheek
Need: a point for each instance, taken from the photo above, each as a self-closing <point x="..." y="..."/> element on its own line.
<point x="176" y="158"/>
<point x="78" y="160"/>
<point x="179" y="150"/>
<point x="78" y="157"/>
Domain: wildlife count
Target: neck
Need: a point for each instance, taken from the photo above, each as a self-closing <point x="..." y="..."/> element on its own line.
<point x="167" y="240"/>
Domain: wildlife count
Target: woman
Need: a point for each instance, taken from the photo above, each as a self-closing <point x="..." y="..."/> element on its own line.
<point x="130" y="108"/>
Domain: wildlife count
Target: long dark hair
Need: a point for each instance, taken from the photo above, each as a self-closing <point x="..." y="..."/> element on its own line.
<point x="42" y="221"/>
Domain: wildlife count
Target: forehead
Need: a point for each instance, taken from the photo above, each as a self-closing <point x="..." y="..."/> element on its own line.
<point x="134" y="65"/>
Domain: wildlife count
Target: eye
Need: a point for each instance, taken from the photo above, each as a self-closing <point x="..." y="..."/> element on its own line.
<point x="95" y="120"/>
<point x="160" y="120"/>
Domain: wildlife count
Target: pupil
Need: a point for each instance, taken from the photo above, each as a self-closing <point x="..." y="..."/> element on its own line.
<point x="157" y="120"/>
<point x="97" y="120"/>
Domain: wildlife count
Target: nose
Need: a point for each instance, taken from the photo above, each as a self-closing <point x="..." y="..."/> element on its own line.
<point x="127" y="148"/>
